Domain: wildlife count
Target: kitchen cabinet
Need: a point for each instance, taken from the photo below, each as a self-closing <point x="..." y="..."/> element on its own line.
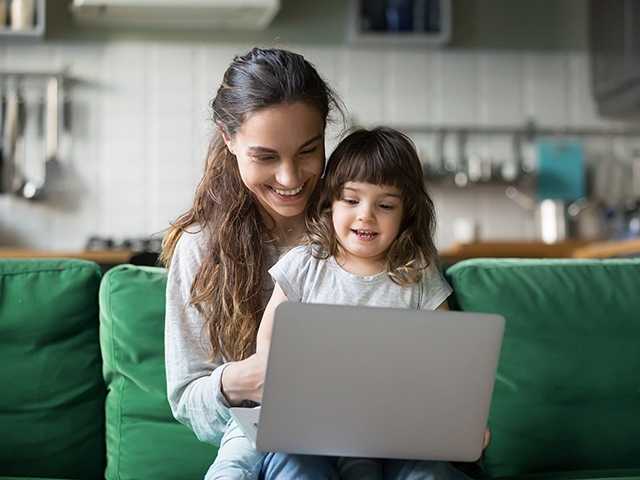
<point x="400" y="22"/>
<point x="22" y="19"/>
<point x="615" y="56"/>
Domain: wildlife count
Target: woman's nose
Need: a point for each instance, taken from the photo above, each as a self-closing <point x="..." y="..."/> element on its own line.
<point x="288" y="175"/>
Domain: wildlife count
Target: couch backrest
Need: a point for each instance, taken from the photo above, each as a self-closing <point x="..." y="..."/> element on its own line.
<point x="52" y="400"/>
<point x="143" y="438"/>
<point x="567" y="393"/>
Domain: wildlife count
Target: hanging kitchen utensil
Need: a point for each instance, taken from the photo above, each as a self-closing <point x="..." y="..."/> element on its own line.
<point x="41" y="139"/>
<point x="461" y="178"/>
<point x="53" y="111"/>
<point x="9" y="138"/>
<point x="440" y="162"/>
<point x="15" y="179"/>
<point x="3" y="112"/>
<point x="635" y="175"/>
<point x="33" y="141"/>
<point x="511" y="167"/>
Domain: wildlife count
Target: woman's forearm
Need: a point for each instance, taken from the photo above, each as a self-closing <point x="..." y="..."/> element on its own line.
<point x="243" y="380"/>
<point x="232" y="385"/>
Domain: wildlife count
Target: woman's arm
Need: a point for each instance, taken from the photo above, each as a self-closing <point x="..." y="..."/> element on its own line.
<point x="193" y="380"/>
<point x="244" y="380"/>
<point x="266" y="325"/>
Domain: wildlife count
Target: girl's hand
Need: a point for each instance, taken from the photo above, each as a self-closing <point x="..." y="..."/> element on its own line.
<point x="486" y="439"/>
<point x="244" y="380"/>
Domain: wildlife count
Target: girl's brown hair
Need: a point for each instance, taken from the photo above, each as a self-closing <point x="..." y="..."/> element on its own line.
<point x="381" y="156"/>
<point x="227" y="290"/>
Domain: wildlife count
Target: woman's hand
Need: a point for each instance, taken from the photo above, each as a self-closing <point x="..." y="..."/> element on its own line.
<point x="243" y="380"/>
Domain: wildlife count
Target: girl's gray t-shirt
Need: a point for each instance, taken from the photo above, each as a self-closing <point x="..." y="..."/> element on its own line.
<point x="304" y="278"/>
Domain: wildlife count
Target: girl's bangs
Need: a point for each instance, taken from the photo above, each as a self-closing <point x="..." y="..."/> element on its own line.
<point x="369" y="167"/>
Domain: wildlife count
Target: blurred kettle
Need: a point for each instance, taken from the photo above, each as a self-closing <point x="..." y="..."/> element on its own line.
<point x="553" y="218"/>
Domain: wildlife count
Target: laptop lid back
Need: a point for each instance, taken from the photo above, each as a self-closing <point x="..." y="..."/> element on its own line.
<point x="379" y="382"/>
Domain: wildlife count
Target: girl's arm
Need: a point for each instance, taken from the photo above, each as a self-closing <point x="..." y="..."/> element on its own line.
<point x="266" y="325"/>
<point x="443" y="306"/>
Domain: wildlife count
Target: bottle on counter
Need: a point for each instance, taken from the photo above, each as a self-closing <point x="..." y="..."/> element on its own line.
<point x="22" y="12"/>
<point x="3" y="14"/>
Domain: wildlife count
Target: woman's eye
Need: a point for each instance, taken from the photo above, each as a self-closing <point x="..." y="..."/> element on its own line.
<point x="265" y="158"/>
<point x="350" y="201"/>
<point x="386" y="207"/>
<point x="309" y="150"/>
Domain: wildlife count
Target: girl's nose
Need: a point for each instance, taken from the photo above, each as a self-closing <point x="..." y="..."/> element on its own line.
<point x="364" y="212"/>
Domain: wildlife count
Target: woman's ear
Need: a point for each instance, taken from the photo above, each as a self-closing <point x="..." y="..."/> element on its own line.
<point x="227" y="139"/>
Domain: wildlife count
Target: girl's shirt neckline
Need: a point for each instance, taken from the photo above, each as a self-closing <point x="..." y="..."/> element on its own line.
<point x="375" y="278"/>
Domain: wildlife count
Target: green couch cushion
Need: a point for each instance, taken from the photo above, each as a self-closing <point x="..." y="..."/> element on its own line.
<point x="567" y="394"/>
<point x="143" y="438"/>
<point x="52" y="400"/>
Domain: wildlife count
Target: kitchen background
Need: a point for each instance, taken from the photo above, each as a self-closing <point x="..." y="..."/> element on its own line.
<point x="139" y="119"/>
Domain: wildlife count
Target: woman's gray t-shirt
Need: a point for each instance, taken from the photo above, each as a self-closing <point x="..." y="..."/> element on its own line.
<point x="304" y="278"/>
<point x="193" y="378"/>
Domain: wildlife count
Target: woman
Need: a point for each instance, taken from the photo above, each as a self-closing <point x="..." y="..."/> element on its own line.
<point x="271" y="111"/>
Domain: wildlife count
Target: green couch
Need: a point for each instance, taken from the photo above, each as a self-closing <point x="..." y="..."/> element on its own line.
<point x="82" y="371"/>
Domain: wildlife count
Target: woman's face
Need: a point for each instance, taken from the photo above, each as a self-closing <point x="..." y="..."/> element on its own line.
<point x="280" y="154"/>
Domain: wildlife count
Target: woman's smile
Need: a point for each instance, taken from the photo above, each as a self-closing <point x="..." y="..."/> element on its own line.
<point x="280" y="154"/>
<point x="288" y="195"/>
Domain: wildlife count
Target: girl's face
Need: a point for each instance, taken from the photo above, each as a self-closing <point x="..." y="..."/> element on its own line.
<point x="366" y="220"/>
<point x="280" y="154"/>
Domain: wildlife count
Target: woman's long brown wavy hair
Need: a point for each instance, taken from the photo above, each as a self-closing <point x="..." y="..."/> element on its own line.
<point x="227" y="290"/>
<point x="381" y="156"/>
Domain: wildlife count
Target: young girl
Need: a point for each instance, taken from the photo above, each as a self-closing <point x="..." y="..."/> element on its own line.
<point x="370" y="243"/>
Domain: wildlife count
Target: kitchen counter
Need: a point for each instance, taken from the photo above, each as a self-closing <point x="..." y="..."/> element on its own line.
<point x="448" y="256"/>
<point x="621" y="248"/>
<point x="510" y="249"/>
<point x="103" y="257"/>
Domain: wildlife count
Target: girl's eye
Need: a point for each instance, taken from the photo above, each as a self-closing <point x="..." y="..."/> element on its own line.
<point x="387" y="207"/>
<point x="350" y="201"/>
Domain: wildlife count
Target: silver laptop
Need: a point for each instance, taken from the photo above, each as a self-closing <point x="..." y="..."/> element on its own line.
<point x="376" y="382"/>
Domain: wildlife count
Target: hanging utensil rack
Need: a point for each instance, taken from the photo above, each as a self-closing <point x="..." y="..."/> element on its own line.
<point x="462" y="173"/>
<point x="26" y="176"/>
<point x="529" y="130"/>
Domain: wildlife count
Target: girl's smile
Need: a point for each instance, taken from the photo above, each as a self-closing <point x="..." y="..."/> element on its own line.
<point x="364" y="235"/>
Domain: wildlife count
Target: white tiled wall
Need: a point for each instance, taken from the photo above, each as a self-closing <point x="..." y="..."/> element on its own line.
<point x="141" y="126"/>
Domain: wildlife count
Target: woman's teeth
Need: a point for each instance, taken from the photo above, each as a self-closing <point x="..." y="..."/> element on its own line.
<point x="288" y="193"/>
